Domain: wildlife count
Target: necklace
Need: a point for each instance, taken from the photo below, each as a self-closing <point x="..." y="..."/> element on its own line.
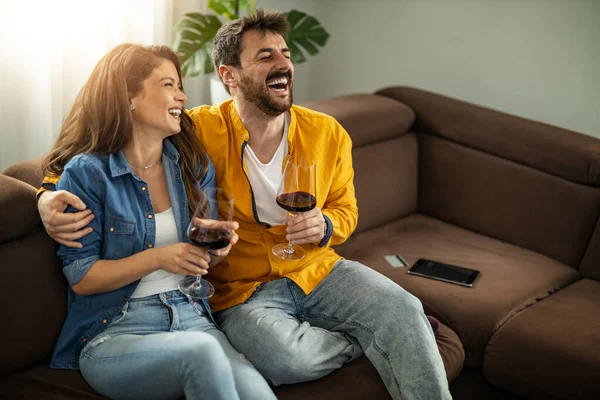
<point x="148" y="166"/>
<point x="151" y="165"/>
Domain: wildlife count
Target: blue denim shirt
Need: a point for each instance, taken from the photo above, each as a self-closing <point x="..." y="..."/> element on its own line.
<point x="123" y="225"/>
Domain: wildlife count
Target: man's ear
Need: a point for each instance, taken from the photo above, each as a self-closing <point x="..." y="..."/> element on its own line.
<point x="228" y="76"/>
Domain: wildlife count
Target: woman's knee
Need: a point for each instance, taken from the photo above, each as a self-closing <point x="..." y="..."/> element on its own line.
<point x="197" y="348"/>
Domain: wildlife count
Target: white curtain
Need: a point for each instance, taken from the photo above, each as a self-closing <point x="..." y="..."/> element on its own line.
<point x="49" y="48"/>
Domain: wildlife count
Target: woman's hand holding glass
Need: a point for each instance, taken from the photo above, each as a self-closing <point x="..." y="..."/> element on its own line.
<point x="212" y="230"/>
<point x="183" y="259"/>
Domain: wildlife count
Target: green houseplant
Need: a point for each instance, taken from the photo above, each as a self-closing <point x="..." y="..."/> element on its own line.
<point x="195" y="32"/>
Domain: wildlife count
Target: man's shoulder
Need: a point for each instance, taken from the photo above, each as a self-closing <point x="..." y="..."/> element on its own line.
<point x="207" y="112"/>
<point x="211" y="120"/>
<point x="307" y="114"/>
<point x="308" y="120"/>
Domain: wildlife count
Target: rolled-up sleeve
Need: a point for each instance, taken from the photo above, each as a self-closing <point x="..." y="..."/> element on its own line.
<point x="81" y="178"/>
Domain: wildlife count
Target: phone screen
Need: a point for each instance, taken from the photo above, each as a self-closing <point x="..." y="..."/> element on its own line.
<point x="444" y="272"/>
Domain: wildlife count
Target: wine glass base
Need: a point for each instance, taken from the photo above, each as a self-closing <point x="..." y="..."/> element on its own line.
<point x="196" y="290"/>
<point x="289" y="252"/>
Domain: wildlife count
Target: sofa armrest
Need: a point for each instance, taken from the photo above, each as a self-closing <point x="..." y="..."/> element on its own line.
<point x="28" y="171"/>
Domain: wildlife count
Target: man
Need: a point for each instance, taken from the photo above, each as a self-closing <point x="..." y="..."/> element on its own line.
<point x="294" y="320"/>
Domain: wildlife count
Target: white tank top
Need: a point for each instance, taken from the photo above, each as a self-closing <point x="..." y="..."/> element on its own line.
<point x="265" y="179"/>
<point x="161" y="280"/>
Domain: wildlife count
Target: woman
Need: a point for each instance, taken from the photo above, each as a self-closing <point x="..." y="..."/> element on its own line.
<point x="128" y="149"/>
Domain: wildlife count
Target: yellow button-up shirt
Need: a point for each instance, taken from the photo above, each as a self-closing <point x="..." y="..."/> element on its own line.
<point x="312" y="136"/>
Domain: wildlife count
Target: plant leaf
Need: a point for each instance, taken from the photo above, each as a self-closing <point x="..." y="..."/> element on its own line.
<point x="227" y="8"/>
<point x="306" y="34"/>
<point x="297" y="56"/>
<point x="194" y="35"/>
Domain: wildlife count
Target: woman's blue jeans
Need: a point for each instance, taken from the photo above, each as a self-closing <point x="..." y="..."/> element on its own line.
<point x="293" y="337"/>
<point x="165" y="347"/>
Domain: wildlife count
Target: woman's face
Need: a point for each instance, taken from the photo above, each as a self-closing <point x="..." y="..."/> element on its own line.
<point x="160" y="103"/>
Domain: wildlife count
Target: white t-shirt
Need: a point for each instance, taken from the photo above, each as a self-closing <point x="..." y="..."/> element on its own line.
<point x="161" y="280"/>
<point x="265" y="179"/>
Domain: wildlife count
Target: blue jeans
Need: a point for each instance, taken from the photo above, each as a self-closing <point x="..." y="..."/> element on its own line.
<point x="164" y="347"/>
<point x="293" y="337"/>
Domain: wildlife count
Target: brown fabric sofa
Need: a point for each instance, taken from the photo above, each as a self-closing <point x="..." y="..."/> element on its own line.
<point x="435" y="178"/>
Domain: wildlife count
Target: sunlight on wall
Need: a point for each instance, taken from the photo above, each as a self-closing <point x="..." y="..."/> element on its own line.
<point x="48" y="52"/>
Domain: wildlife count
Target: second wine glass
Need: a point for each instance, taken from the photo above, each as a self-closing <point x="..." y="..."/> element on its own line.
<point x="296" y="194"/>
<point x="210" y="228"/>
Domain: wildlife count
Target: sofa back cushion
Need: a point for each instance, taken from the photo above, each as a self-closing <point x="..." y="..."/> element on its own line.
<point x="32" y="280"/>
<point x="570" y="155"/>
<point x="385" y="177"/>
<point x="506" y="200"/>
<point x="527" y="183"/>
<point x="384" y="155"/>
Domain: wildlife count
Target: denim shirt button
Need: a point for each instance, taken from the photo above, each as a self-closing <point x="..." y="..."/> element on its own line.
<point x="149" y="216"/>
<point x="112" y="229"/>
<point x="104" y="321"/>
<point x="124" y="298"/>
<point x="84" y="340"/>
<point x="149" y="245"/>
<point x="143" y="188"/>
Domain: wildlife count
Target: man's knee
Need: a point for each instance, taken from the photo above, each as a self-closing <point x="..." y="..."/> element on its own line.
<point x="289" y="367"/>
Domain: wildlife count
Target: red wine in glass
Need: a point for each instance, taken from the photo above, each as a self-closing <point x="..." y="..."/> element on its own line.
<point x="209" y="238"/>
<point x="297" y="202"/>
<point x="296" y="194"/>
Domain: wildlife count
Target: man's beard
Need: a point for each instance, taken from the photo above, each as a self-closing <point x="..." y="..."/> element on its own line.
<point x="258" y="95"/>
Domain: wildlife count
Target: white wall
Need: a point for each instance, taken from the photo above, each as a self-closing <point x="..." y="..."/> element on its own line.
<point x="539" y="59"/>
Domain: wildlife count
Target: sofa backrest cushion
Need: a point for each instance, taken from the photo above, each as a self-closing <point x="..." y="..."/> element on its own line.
<point x="32" y="280"/>
<point x="385" y="178"/>
<point x="570" y="155"/>
<point x="506" y="200"/>
<point x="528" y="183"/>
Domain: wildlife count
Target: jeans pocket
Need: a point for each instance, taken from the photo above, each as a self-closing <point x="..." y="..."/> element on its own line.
<point x="119" y="317"/>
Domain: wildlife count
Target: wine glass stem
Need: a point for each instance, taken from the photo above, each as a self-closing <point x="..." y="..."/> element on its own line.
<point x="199" y="280"/>
<point x="289" y="250"/>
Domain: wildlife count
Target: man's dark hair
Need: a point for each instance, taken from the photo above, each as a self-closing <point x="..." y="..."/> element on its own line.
<point x="227" y="44"/>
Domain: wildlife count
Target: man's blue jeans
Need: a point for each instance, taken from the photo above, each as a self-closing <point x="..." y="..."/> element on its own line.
<point x="291" y="337"/>
<point x="164" y="347"/>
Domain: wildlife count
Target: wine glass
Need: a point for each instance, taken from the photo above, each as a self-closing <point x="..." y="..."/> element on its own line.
<point x="206" y="230"/>
<point x="296" y="194"/>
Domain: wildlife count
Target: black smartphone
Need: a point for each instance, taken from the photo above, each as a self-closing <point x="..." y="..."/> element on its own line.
<point x="444" y="272"/>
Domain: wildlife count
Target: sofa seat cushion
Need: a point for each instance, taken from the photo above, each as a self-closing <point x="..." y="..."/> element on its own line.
<point x="552" y="347"/>
<point x="41" y="382"/>
<point x="511" y="277"/>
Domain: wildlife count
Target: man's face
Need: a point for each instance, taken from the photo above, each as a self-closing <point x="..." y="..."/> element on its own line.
<point x="266" y="76"/>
